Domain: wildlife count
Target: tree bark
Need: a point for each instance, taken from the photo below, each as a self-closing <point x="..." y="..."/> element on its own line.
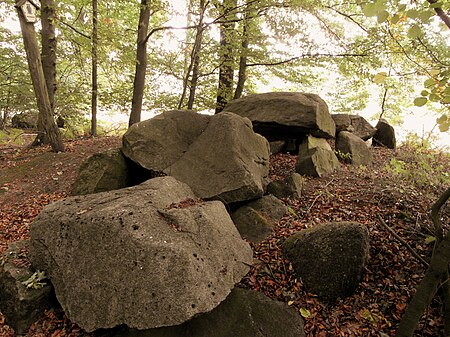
<point x="5" y="114"/>
<point x="188" y="55"/>
<point x="440" y="12"/>
<point x="94" y="92"/>
<point x="39" y="85"/>
<point x="196" y="56"/>
<point x="242" y="74"/>
<point x="436" y="272"/>
<point x="48" y="56"/>
<point x="141" y="63"/>
<point x="49" y="45"/>
<point x="226" y="56"/>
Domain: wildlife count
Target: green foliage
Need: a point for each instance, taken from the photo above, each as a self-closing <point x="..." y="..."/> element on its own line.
<point x="421" y="167"/>
<point x="16" y="94"/>
<point x="342" y="155"/>
<point x="393" y="48"/>
<point x="10" y="136"/>
<point x="415" y="37"/>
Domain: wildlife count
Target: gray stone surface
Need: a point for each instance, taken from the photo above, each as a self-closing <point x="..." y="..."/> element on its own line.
<point x="256" y="219"/>
<point x="245" y="313"/>
<point x="330" y="258"/>
<point x="343" y="122"/>
<point x="277" y="146"/>
<point x="21" y="306"/>
<point x="315" y="158"/>
<point x="102" y="172"/>
<point x="309" y="143"/>
<point x="385" y="135"/>
<point x="146" y="256"/>
<point x="252" y="225"/>
<point x="355" y="124"/>
<point x="25" y="120"/>
<point x="219" y="157"/>
<point x="352" y="149"/>
<point x="270" y="207"/>
<point x="282" y="115"/>
<point x="290" y="187"/>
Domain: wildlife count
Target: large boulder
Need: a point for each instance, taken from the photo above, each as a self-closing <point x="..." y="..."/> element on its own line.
<point x="23" y="295"/>
<point x="283" y="115"/>
<point x="256" y="219"/>
<point x="245" y="313"/>
<point x="24" y="120"/>
<point x="102" y="172"/>
<point x="385" y="135"/>
<point x="147" y="256"/>
<point x="107" y="171"/>
<point x="330" y="258"/>
<point x="219" y="157"/>
<point x="352" y="149"/>
<point x="355" y="124"/>
<point x="315" y="158"/>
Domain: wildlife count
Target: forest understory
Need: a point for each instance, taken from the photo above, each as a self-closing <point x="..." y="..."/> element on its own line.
<point x="399" y="187"/>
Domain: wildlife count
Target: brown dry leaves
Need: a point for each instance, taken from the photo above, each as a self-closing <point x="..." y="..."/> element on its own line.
<point x="351" y="194"/>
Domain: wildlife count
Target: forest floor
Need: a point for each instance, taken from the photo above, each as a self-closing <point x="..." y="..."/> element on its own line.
<point x="400" y="187"/>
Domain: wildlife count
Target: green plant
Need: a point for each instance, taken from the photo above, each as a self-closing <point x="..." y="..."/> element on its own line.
<point x="343" y="156"/>
<point x="421" y="167"/>
<point x="11" y="136"/>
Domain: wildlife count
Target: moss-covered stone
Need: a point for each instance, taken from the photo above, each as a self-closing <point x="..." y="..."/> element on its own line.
<point x="330" y="258"/>
<point x="102" y="172"/>
<point x="20" y="305"/>
<point x="244" y="313"/>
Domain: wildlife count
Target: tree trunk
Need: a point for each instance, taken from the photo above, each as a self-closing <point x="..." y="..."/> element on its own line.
<point x="5" y="109"/>
<point x="49" y="48"/>
<point x="94" y="92"/>
<point x="436" y="272"/>
<point x="226" y="56"/>
<point x="48" y="56"/>
<point x="141" y="63"/>
<point x="196" y="56"/>
<point x="188" y="55"/>
<point x="242" y="75"/>
<point x="39" y="85"/>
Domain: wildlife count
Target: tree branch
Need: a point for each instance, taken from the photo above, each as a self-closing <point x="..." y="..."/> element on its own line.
<point x="76" y="30"/>
<point x="444" y="17"/>
<point x="383" y="102"/>
<point x="435" y="215"/>
<point x="295" y="58"/>
<point x="406" y="54"/>
<point x="403" y="242"/>
<point x="348" y="17"/>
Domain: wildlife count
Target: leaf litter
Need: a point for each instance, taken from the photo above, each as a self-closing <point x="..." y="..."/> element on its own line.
<point x="350" y="194"/>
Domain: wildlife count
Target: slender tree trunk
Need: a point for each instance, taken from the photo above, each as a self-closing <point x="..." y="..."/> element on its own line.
<point x="6" y="108"/>
<point x="437" y="271"/>
<point x="196" y="56"/>
<point x="94" y="92"/>
<point x="141" y="63"/>
<point x="48" y="56"/>
<point x="242" y="74"/>
<point x="226" y="56"/>
<point x="187" y="68"/>
<point x="39" y="85"/>
<point x="49" y="45"/>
